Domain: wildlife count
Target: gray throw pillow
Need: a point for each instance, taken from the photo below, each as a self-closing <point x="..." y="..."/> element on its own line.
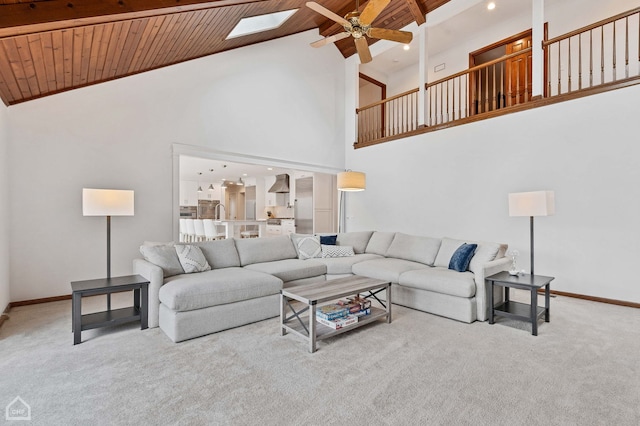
<point x="164" y="256"/>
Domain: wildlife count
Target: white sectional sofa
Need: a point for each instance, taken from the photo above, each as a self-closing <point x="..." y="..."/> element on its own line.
<point x="246" y="276"/>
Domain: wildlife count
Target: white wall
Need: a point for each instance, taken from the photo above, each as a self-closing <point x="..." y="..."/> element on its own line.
<point x="455" y="182"/>
<point x="280" y="99"/>
<point x="4" y="211"/>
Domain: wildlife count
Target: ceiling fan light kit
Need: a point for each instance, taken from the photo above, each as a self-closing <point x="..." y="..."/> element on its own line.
<point x="358" y="25"/>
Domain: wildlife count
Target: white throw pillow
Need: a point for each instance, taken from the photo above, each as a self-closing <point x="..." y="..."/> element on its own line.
<point x="337" y="251"/>
<point x="192" y="259"/>
<point x="309" y="247"/>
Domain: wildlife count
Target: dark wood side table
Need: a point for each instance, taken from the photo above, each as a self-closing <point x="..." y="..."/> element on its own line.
<point x="137" y="312"/>
<point x="516" y="310"/>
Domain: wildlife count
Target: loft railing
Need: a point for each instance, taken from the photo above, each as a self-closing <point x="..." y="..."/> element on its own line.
<point x="388" y="117"/>
<point x="480" y="89"/>
<point x="598" y="54"/>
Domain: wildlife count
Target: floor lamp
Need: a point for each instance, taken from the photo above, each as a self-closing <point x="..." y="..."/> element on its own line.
<point x="107" y="202"/>
<point x="537" y="203"/>
<point x="348" y="181"/>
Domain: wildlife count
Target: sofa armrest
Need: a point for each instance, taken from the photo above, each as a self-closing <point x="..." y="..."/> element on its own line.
<point x="156" y="278"/>
<point x="482" y="290"/>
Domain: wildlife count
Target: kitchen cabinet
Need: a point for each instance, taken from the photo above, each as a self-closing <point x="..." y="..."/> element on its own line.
<point x="188" y="193"/>
<point x="269" y="197"/>
<point x="274" y="230"/>
<point x="288" y="226"/>
<point x="325" y="203"/>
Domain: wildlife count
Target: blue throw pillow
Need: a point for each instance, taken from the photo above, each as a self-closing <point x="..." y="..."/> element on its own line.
<point x="328" y="240"/>
<point x="462" y="257"/>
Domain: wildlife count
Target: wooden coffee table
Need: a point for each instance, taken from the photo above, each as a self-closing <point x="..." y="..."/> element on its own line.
<point x="302" y="316"/>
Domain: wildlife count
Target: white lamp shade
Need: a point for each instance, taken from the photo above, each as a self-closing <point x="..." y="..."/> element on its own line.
<point x="107" y="202"/>
<point x="352" y="181"/>
<point x="537" y="203"/>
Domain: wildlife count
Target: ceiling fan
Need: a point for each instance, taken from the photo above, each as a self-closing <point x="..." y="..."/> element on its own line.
<point x="358" y="25"/>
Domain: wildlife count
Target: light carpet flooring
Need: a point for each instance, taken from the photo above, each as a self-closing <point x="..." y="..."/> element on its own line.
<point x="582" y="369"/>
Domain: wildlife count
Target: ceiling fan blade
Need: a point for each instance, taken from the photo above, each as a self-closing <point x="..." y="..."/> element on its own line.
<point x="329" y="14"/>
<point x="373" y="9"/>
<point x="330" y="39"/>
<point x="393" y="35"/>
<point x="363" y="50"/>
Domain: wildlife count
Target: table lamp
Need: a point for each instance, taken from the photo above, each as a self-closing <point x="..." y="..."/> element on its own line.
<point x="107" y="202"/>
<point x="537" y="203"/>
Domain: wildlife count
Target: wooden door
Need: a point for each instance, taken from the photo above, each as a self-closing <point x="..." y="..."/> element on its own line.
<point x="519" y="72"/>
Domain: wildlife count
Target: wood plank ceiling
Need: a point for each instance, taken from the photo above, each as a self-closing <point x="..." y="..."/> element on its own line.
<point x="49" y="46"/>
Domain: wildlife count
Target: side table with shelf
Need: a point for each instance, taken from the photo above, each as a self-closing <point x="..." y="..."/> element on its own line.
<point x="516" y="310"/>
<point x="137" y="312"/>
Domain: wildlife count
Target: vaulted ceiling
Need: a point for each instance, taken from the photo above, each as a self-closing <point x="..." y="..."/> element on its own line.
<point x="49" y="46"/>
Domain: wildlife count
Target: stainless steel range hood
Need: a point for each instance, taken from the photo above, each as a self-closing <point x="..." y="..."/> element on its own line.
<point x="281" y="184"/>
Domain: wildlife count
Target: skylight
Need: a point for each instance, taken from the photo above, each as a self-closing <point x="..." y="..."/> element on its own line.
<point x="257" y="24"/>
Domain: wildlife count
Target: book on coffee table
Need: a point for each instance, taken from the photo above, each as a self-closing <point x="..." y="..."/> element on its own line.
<point x="338" y="323"/>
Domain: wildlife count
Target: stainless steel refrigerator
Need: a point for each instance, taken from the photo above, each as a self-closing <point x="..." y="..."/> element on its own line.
<point x="303" y="205"/>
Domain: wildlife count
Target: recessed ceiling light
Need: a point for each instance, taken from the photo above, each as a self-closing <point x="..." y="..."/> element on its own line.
<point x="491" y="6"/>
<point x="244" y="174"/>
<point x="406" y="47"/>
<point x="269" y="168"/>
<point x="257" y="24"/>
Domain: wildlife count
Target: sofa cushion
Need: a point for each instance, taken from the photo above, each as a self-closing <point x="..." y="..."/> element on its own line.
<point x="387" y="269"/>
<point x="164" y="256"/>
<point x="462" y="257"/>
<point x="219" y="253"/>
<point x="357" y="240"/>
<point x="344" y="265"/>
<point x="414" y="248"/>
<point x="191" y="258"/>
<point x="440" y="280"/>
<point x="290" y="269"/>
<point x="259" y="250"/>
<point x="379" y="242"/>
<point x="337" y="251"/>
<point x="216" y="287"/>
<point x="486" y="252"/>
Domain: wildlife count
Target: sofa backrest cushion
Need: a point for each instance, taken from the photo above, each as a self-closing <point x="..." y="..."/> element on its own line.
<point x="486" y="252"/>
<point x="258" y="250"/>
<point x="414" y="248"/>
<point x="219" y="253"/>
<point x="379" y="243"/>
<point x="357" y="240"/>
